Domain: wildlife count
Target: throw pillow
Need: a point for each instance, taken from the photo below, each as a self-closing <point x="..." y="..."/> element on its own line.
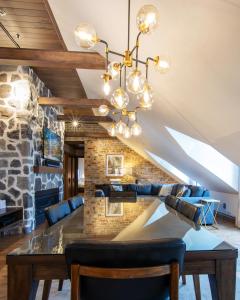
<point x="166" y="190"/>
<point x="117" y="188"/>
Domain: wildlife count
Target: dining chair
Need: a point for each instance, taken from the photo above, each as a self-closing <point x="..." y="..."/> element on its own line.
<point x="193" y="213"/>
<point x="189" y="210"/>
<point x="136" y="270"/>
<point x="54" y="214"/>
<point x="172" y="201"/>
<point x="75" y="202"/>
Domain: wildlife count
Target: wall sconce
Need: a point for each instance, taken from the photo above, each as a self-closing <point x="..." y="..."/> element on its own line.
<point x="21" y="94"/>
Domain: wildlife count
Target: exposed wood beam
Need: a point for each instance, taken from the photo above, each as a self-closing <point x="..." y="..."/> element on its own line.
<point x="85" y="119"/>
<point x="76" y="103"/>
<point x="51" y="58"/>
<point x="77" y="135"/>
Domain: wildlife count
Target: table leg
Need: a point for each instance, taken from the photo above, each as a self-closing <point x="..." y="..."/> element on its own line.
<point x="223" y="283"/>
<point x="21" y="285"/>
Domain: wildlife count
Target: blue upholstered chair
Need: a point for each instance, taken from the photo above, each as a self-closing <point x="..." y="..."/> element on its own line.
<point x="75" y="202"/>
<point x="54" y="214"/>
<point x="172" y="201"/>
<point x="57" y="212"/>
<point x="189" y="210"/>
<point x="136" y="270"/>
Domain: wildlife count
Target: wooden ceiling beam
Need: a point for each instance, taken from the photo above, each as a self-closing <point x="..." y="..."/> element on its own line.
<point x="72" y="103"/>
<point x="77" y="135"/>
<point x="52" y="58"/>
<point x="85" y="119"/>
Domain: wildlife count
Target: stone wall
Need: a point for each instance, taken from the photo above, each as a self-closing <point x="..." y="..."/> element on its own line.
<point x="21" y="124"/>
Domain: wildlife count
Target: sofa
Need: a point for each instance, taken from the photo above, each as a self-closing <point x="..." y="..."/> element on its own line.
<point x="189" y="193"/>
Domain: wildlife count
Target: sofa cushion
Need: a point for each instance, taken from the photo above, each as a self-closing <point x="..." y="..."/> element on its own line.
<point x="155" y="189"/>
<point x="197" y="191"/>
<point x="132" y="187"/>
<point x="144" y="189"/>
<point x="206" y="193"/>
<point x="166" y="190"/>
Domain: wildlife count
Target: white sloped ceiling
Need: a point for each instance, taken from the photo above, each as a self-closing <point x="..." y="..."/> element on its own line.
<point x="199" y="97"/>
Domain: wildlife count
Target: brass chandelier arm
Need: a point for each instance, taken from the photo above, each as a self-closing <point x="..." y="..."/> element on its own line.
<point x="106" y="52"/>
<point x="122" y="55"/>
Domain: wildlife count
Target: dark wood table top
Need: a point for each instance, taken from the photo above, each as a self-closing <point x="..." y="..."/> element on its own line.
<point x="157" y="221"/>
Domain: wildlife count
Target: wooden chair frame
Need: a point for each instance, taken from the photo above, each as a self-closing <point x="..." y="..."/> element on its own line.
<point x="131" y="273"/>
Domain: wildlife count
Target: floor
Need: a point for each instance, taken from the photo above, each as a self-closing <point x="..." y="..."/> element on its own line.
<point x="226" y="231"/>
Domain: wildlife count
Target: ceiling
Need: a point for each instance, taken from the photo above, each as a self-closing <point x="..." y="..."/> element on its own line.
<point x="198" y="97"/>
<point x="35" y="24"/>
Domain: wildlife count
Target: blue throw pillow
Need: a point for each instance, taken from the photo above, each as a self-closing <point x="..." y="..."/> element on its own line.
<point x="144" y="189"/>
<point x="206" y="193"/>
<point x="197" y="191"/>
<point x="155" y="189"/>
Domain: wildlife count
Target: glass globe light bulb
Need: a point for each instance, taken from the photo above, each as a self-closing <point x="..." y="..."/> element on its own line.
<point x="120" y="98"/>
<point x="127" y="132"/>
<point x="114" y="69"/>
<point x="75" y="123"/>
<point x="120" y="127"/>
<point x="132" y="115"/>
<point x="162" y="63"/>
<point x="112" y="130"/>
<point x="106" y="88"/>
<point x="147" y="18"/>
<point x="146" y="97"/>
<point x="85" y="36"/>
<point x="103" y="110"/>
<point x="136" y="129"/>
<point x="135" y="82"/>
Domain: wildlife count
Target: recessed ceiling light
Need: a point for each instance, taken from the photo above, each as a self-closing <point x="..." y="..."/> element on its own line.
<point x="2" y="12"/>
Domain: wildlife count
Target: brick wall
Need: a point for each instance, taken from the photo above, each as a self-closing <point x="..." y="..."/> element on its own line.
<point x="96" y="150"/>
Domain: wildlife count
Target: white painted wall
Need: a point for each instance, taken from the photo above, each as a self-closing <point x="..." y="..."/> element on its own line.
<point x="231" y="201"/>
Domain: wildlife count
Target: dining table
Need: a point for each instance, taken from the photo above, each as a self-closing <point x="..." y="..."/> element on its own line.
<point x="42" y="257"/>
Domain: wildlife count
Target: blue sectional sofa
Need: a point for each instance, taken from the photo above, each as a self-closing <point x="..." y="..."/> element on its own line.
<point x="191" y="194"/>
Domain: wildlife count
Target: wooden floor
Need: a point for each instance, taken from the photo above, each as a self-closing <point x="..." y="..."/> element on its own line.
<point x="7" y="244"/>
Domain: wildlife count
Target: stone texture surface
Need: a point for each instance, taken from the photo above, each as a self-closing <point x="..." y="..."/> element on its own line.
<point x="21" y="141"/>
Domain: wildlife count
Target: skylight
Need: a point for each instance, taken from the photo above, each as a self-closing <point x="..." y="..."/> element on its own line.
<point x="170" y="168"/>
<point x="208" y="157"/>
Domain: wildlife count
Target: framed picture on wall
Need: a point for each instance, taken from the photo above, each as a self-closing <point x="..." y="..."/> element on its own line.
<point x="114" y="209"/>
<point x="114" y="165"/>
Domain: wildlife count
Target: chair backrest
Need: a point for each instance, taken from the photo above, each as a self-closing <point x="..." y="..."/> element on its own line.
<point x="189" y="210"/>
<point x="137" y="270"/>
<point x="57" y="212"/>
<point x="172" y="201"/>
<point x="75" y="202"/>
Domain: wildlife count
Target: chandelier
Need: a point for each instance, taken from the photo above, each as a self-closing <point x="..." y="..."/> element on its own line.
<point x="132" y="82"/>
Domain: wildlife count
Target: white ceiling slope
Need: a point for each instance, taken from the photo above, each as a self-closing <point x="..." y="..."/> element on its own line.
<point x="199" y="97"/>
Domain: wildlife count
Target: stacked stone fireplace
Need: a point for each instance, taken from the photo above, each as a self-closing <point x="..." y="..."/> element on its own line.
<point x="21" y="145"/>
